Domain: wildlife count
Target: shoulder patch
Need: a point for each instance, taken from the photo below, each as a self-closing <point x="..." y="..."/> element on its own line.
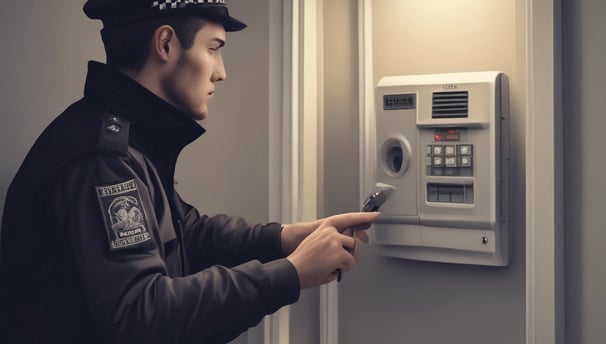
<point x="123" y="214"/>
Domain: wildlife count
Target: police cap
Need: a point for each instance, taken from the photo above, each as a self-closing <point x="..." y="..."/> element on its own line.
<point x="118" y="12"/>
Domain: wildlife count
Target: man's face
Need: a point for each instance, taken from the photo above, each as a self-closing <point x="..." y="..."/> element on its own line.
<point x="190" y="84"/>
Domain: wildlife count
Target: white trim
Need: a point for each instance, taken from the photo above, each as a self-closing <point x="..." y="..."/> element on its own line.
<point x="308" y="109"/>
<point x="366" y="97"/>
<point x="544" y="222"/>
<point x="329" y="314"/>
<point x="295" y="129"/>
<point x="329" y="294"/>
<point x="277" y="79"/>
<point x="329" y="301"/>
<point x="283" y="176"/>
<point x="366" y="101"/>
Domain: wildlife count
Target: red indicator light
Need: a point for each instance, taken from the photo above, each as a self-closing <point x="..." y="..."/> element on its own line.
<point x="452" y="131"/>
<point x="439" y="137"/>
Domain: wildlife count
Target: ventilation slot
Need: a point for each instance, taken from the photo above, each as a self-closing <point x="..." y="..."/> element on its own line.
<point x="450" y="105"/>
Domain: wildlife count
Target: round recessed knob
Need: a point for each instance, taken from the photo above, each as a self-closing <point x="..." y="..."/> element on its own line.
<point x="395" y="156"/>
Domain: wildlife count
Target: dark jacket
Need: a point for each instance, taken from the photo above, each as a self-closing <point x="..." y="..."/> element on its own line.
<point x="98" y="247"/>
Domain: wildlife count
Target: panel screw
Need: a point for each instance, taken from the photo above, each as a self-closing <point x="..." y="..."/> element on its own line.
<point x="484" y="240"/>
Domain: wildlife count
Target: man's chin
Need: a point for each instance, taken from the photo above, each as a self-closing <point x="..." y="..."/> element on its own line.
<point x="198" y="115"/>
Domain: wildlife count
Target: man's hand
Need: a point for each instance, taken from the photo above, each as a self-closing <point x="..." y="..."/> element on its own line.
<point x="322" y="247"/>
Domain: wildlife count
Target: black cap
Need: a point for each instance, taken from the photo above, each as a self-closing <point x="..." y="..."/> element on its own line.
<point x="117" y="12"/>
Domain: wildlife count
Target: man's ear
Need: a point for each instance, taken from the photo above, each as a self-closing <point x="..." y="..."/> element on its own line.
<point x="164" y="43"/>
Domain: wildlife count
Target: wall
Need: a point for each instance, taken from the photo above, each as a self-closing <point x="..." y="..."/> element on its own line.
<point x="46" y="49"/>
<point x="43" y="68"/>
<point x="400" y="301"/>
<point x="584" y="83"/>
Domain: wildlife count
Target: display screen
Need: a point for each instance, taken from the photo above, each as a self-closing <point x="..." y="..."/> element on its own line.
<point x="399" y="101"/>
<point x="449" y="134"/>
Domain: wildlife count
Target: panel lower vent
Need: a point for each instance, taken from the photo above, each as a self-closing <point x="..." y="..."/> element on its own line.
<point x="450" y="105"/>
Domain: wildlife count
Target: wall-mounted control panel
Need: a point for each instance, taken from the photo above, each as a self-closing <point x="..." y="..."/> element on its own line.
<point x="442" y="141"/>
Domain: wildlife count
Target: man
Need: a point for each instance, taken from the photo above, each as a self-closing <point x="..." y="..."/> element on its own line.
<point x="98" y="247"/>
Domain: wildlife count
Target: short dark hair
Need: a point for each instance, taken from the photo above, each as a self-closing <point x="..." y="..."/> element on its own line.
<point x="127" y="46"/>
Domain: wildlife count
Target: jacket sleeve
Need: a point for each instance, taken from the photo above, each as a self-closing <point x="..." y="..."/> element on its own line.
<point x="124" y="277"/>
<point x="227" y="240"/>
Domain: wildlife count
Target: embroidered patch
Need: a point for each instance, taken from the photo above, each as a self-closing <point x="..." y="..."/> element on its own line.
<point x="124" y="215"/>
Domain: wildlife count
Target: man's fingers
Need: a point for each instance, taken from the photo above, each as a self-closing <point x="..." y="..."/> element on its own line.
<point x="343" y="221"/>
<point x="349" y="243"/>
<point x="362" y="236"/>
<point x="348" y="262"/>
<point x="358" y="234"/>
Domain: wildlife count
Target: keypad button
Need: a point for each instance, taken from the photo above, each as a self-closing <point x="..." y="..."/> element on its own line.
<point x="465" y="149"/>
<point x="465" y="161"/>
<point x="438" y="150"/>
<point x="438" y="161"/>
<point x="450" y="150"/>
<point x="450" y="161"/>
<point x="428" y="161"/>
<point x="428" y="150"/>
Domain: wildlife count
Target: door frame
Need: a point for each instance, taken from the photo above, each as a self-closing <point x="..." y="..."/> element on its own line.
<point x="296" y="140"/>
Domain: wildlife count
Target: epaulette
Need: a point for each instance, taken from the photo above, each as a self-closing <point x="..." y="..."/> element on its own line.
<point x="113" y="134"/>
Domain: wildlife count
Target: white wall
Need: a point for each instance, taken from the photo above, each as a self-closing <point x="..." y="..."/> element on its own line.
<point x="402" y="301"/>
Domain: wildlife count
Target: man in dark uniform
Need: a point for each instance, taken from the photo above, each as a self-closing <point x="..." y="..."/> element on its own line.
<point x="98" y="247"/>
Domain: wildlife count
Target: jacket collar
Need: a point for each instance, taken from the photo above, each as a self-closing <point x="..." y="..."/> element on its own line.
<point x="154" y="123"/>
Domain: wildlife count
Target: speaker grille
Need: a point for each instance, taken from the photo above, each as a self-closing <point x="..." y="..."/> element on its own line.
<point x="450" y="105"/>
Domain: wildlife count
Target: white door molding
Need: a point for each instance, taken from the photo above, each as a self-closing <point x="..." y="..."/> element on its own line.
<point x="295" y="125"/>
<point x="329" y="294"/>
<point x="544" y="183"/>
<point x="283" y="153"/>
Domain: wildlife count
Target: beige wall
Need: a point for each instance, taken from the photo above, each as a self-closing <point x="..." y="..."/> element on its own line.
<point x="402" y="301"/>
<point x="43" y="70"/>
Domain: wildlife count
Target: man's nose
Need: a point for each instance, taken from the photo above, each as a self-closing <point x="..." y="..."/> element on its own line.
<point x="219" y="73"/>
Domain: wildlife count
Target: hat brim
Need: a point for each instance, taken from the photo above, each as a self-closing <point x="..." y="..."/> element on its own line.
<point x="220" y="15"/>
<point x="230" y="24"/>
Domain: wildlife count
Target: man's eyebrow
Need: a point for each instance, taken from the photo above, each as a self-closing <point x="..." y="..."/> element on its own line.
<point x="220" y="41"/>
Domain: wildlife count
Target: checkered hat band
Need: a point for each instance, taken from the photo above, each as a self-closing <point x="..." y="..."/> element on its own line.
<point x="172" y="4"/>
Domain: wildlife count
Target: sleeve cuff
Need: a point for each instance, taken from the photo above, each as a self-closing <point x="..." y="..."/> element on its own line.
<point x="269" y="242"/>
<point x="285" y="287"/>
